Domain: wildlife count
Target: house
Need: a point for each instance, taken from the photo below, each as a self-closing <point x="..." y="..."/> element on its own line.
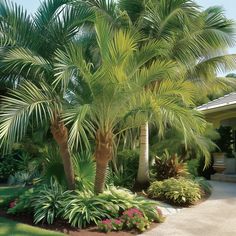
<point x="222" y="112"/>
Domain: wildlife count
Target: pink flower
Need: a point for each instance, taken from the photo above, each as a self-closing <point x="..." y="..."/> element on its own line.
<point x="107" y="221"/>
<point x="117" y="222"/>
<point x="133" y="212"/>
<point x="12" y="204"/>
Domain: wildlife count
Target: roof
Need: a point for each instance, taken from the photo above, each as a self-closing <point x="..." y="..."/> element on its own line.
<point x="224" y="101"/>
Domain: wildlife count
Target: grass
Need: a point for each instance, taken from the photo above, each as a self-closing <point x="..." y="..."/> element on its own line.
<point x="12" y="228"/>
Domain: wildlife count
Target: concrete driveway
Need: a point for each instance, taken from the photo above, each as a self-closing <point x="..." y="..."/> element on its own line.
<point x="214" y="217"/>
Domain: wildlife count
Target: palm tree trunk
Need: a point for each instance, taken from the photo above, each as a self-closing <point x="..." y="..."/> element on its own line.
<point x="60" y="134"/>
<point x="103" y="154"/>
<point x="143" y="169"/>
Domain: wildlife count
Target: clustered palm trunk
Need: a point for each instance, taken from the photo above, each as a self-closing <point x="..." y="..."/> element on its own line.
<point x="103" y="154"/>
<point x="60" y="134"/>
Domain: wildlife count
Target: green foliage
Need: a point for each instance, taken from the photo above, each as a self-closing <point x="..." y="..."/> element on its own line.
<point x="47" y="202"/>
<point x="204" y="184"/>
<point x="8" y="166"/>
<point x="176" y="191"/>
<point x="225" y="141"/>
<point x="52" y="165"/>
<point x="123" y="199"/>
<point x="84" y="167"/>
<point x="9" y="194"/>
<point x="120" y="178"/>
<point x="83" y="208"/>
<point x="175" y="142"/>
<point x="168" y="166"/>
<point x="23" y="203"/>
<point x="126" y="169"/>
<point x="23" y="178"/>
<point x="193" y="166"/>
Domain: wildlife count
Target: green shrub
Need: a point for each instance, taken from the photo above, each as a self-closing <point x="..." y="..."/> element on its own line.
<point x="124" y="199"/>
<point x="8" y="166"/>
<point x="47" y="202"/>
<point x="176" y="191"/>
<point x="168" y="166"/>
<point x="126" y="169"/>
<point x="83" y="208"/>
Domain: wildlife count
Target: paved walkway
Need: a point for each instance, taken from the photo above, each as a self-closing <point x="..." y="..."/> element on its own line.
<point x="214" y="217"/>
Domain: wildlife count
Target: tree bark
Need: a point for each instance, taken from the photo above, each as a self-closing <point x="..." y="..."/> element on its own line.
<point x="143" y="169"/>
<point x="103" y="154"/>
<point x="60" y="134"/>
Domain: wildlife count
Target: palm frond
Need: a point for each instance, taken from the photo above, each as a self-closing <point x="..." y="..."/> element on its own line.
<point x="17" y="109"/>
<point x="24" y="62"/>
<point x="81" y="127"/>
<point x="16" y="25"/>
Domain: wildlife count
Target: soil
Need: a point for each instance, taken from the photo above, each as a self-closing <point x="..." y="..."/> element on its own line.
<point x="63" y="227"/>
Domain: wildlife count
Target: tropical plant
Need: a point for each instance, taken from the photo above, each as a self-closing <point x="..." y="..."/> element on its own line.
<point x="193" y="166"/>
<point x="28" y="46"/>
<point x="85" y="169"/>
<point x="47" y="203"/>
<point x="176" y="191"/>
<point x="52" y="165"/>
<point x="83" y="208"/>
<point x="168" y="166"/>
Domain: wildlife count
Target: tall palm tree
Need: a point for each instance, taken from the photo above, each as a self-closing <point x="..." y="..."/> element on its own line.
<point x="197" y="39"/>
<point x="28" y="45"/>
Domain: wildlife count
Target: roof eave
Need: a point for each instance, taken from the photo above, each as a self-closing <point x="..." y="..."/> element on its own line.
<point x="218" y="108"/>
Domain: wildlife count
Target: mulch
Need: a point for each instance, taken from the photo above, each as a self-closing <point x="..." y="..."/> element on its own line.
<point x="62" y="226"/>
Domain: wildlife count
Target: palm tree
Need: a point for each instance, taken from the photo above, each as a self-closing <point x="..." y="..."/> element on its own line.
<point x="196" y="40"/>
<point x="28" y="47"/>
<point x="117" y="90"/>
